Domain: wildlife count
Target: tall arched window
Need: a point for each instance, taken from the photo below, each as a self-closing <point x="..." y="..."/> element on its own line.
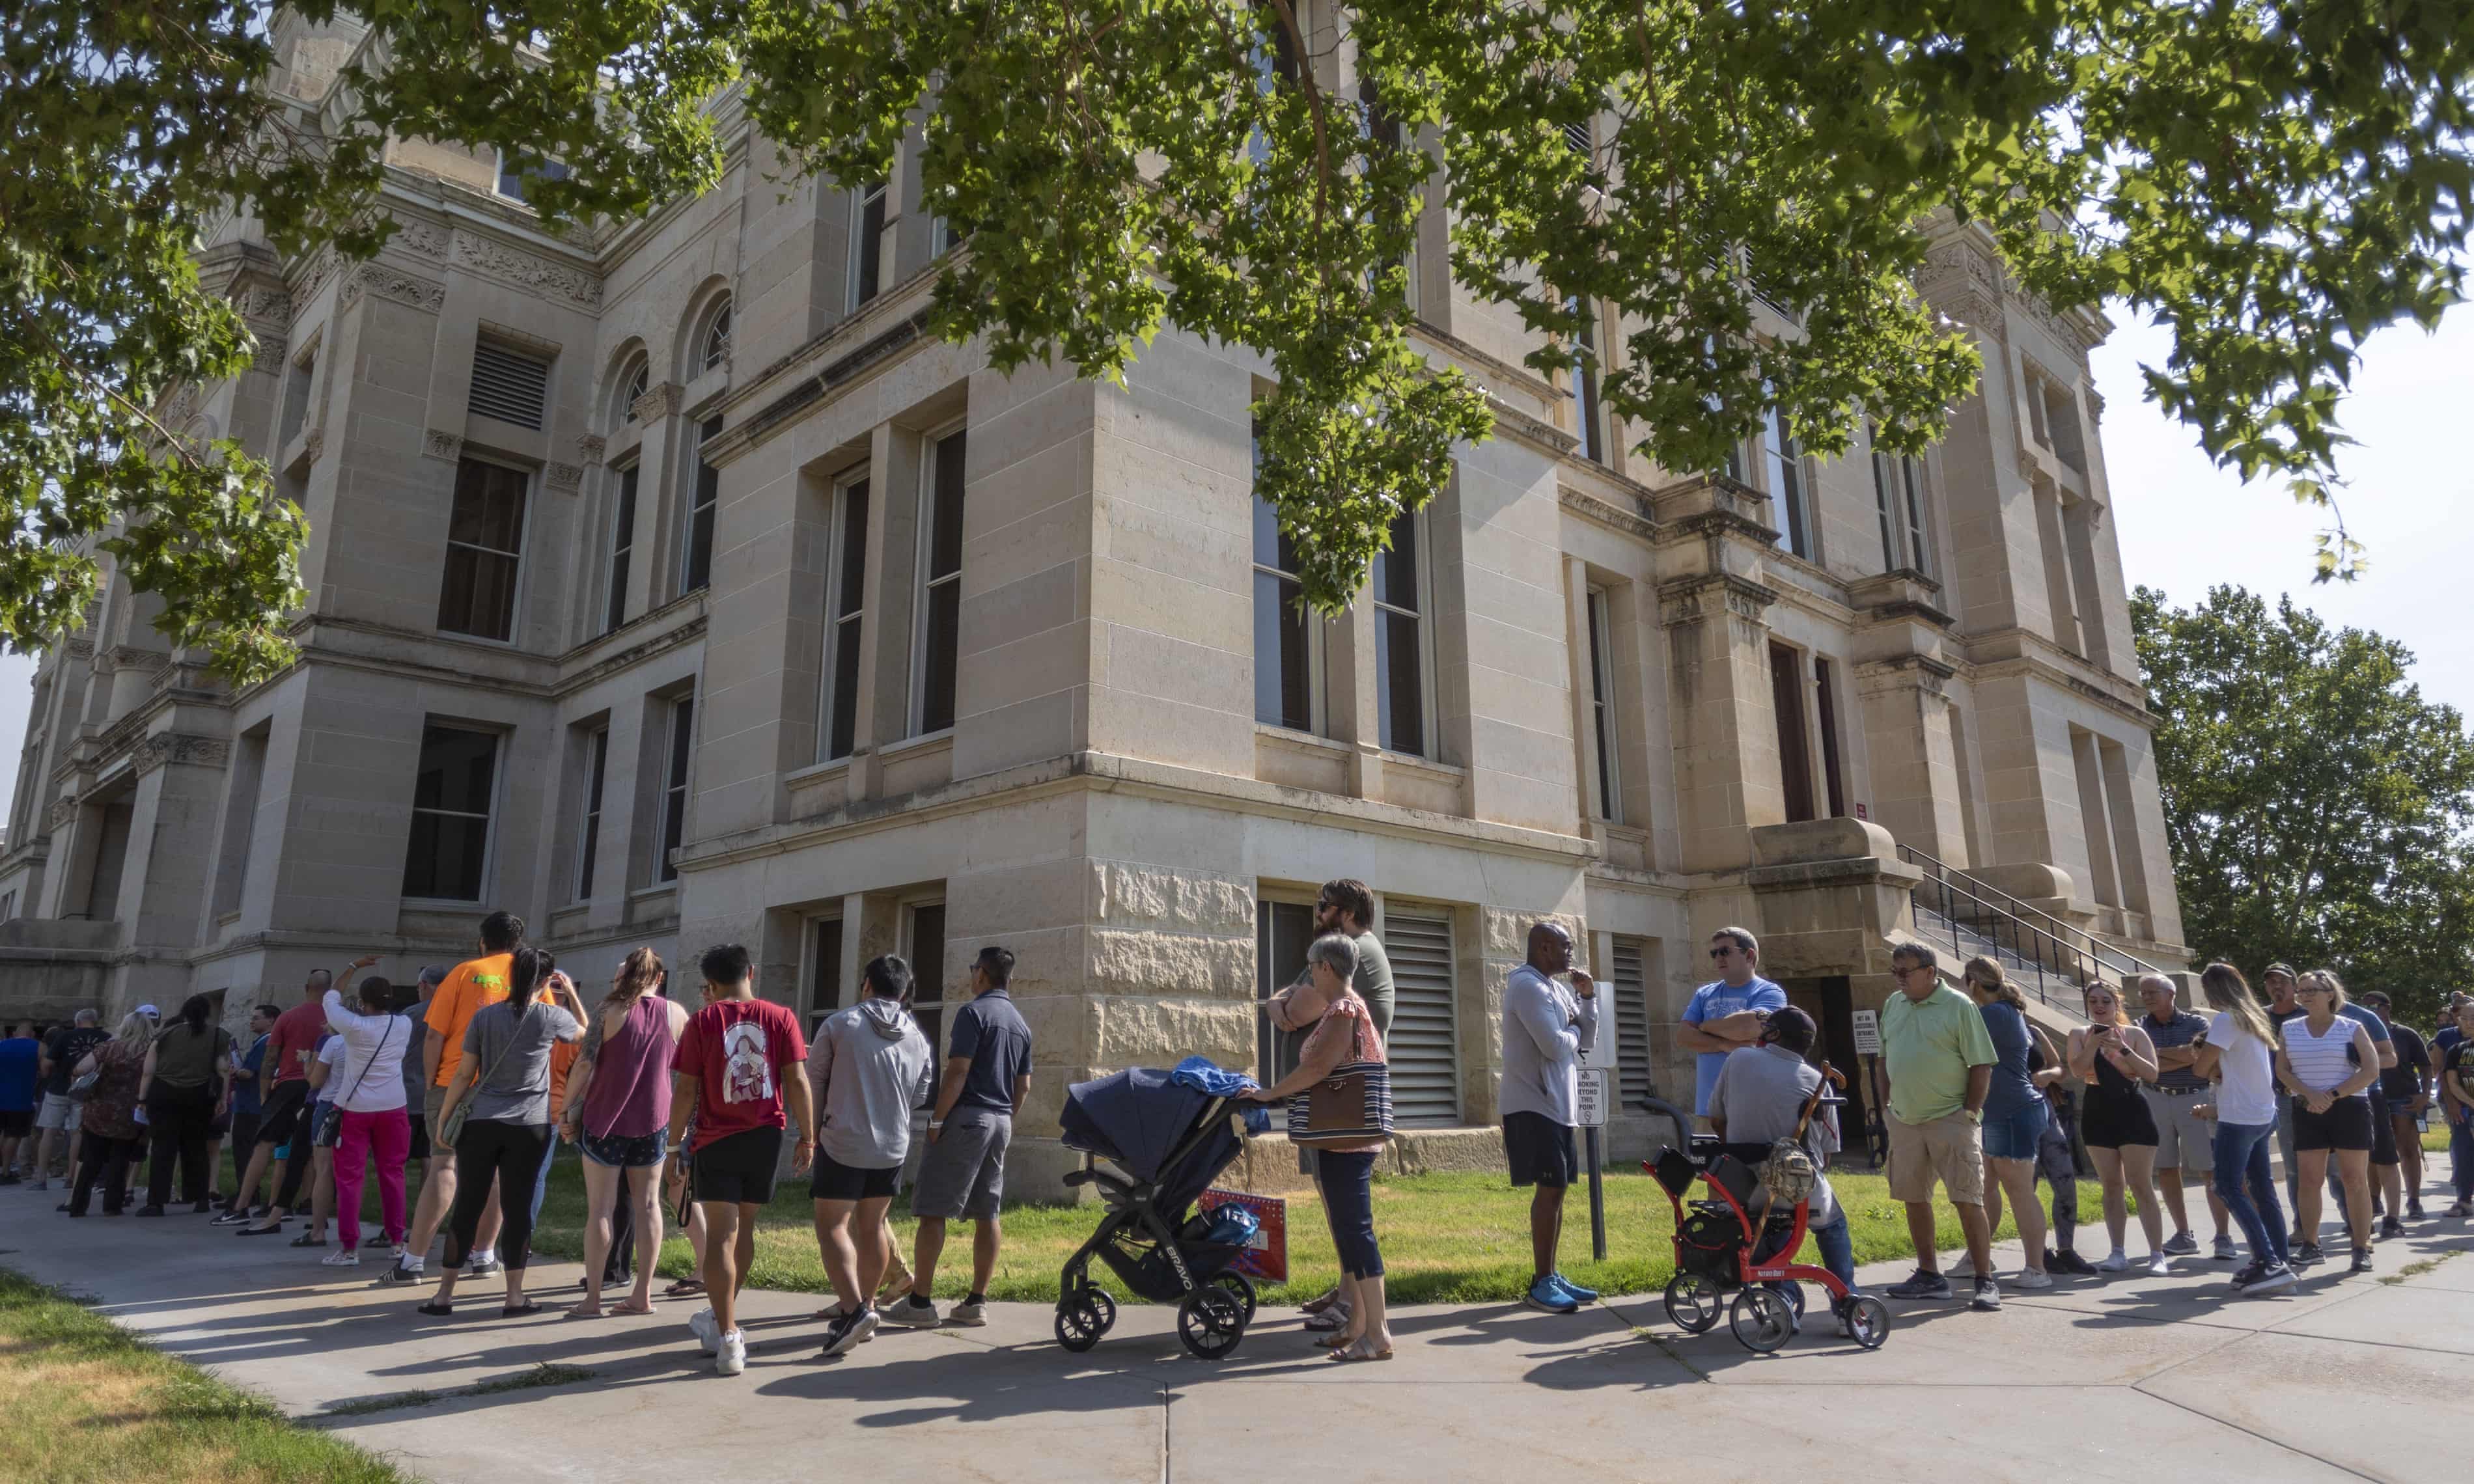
<point x="715" y="348"/>
<point x="638" y="380"/>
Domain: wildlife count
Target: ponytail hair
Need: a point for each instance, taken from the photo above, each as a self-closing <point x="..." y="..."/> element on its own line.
<point x="1986" y="970"/>
<point x="637" y="977"/>
<point x="526" y="971"/>
<point x="195" y="1012"/>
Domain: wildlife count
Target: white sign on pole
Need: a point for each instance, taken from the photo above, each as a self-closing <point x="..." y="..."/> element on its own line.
<point x="1868" y="1033"/>
<point x="1598" y="1093"/>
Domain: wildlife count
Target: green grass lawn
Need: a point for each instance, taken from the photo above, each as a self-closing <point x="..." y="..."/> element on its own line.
<point x="1458" y="1237"/>
<point x="82" y="1400"/>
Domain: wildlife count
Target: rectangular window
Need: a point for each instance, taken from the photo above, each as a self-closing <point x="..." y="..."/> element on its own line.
<point x="1783" y="471"/>
<point x="1401" y="640"/>
<point x="695" y="570"/>
<point x="1899" y="502"/>
<point x="1794" y="739"/>
<point x="588" y="848"/>
<point x="1602" y="686"/>
<point x="451" y="797"/>
<point x="510" y="384"/>
<point x="674" y="788"/>
<point x="295" y="399"/>
<point x="1589" y="421"/>
<point x="1885" y="507"/>
<point x="1286" y="637"/>
<point x="940" y="583"/>
<point x="866" y="245"/>
<point x="928" y="975"/>
<point x="622" y="547"/>
<point x="1825" y="689"/>
<point x="485" y="536"/>
<point x="1911" y="482"/>
<point x="1282" y="931"/>
<point x="825" y="984"/>
<point x="847" y="577"/>
<point x="517" y="171"/>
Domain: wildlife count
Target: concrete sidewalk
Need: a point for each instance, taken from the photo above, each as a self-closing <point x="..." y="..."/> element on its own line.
<point x="2132" y="1377"/>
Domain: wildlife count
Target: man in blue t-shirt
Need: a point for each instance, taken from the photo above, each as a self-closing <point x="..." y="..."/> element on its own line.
<point x="1726" y="1014"/>
<point x="248" y="1106"/>
<point x="20" y="1056"/>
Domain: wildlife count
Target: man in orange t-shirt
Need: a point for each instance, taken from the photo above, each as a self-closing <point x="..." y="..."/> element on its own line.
<point x="467" y="988"/>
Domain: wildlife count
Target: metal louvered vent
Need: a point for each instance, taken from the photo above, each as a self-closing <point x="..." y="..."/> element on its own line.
<point x="509" y="385"/>
<point x="1424" y="1051"/>
<point x="1582" y="137"/>
<point x="1632" y="1023"/>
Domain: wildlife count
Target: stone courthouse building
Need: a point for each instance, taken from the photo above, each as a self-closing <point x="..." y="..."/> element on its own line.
<point x="667" y="586"/>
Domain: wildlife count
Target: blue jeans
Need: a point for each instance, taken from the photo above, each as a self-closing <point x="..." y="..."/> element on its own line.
<point x="1834" y="1244"/>
<point x="2461" y="1156"/>
<point x="2247" y="1188"/>
<point x="1348" y="1201"/>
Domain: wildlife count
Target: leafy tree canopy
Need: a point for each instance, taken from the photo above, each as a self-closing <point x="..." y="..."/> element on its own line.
<point x="2271" y="179"/>
<point x="2320" y="812"/>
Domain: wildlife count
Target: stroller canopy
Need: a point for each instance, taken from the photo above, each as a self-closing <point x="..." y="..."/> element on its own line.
<point x="1138" y="1118"/>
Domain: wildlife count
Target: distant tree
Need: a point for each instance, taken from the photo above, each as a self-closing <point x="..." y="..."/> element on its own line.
<point x="2271" y="179"/>
<point x="2320" y="810"/>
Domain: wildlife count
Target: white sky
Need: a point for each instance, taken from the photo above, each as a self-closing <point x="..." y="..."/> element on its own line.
<point x="2185" y="525"/>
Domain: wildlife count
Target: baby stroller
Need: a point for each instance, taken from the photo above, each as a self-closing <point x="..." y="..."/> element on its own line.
<point x="1715" y="1239"/>
<point x="1170" y="1142"/>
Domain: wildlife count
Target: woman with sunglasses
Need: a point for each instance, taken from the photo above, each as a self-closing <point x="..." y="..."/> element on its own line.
<point x="2112" y="1056"/>
<point x="2328" y="1061"/>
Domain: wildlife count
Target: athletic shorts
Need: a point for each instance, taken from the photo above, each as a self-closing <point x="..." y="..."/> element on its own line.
<point x="2383" y="1143"/>
<point x="16" y="1122"/>
<point x="738" y="1167"/>
<point x="2345" y="1125"/>
<point x="962" y="1174"/>
<point x="1538" y="1151"/>
<point x="60" y="1110"/>
<point x="1949" y="1149"/>
<point x="625" y="1152"/>
<point x="834" y="1180"/>
<point x="419" y="1148"/>
<point x="285" y="1107"/>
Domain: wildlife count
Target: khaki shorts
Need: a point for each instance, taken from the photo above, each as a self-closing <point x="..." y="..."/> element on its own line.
<point x="1949" y="1149"/>
<point x="2185" y="1141"/>
<point x="433" y="1103"/>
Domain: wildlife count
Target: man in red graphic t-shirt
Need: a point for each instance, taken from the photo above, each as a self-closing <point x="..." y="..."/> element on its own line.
<point x="285" y="1099"/>
<point x="731" y="1079"/>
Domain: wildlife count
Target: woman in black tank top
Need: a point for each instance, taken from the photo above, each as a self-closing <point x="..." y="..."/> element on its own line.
<point x="2113" y="1057"/>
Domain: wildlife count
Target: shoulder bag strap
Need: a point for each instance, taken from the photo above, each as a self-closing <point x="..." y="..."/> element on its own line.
<point x="501" y="1060"/>
<point x="373" y="1059"/>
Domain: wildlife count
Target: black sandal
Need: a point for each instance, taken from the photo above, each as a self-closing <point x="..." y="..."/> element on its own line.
<point x="304" y="1239"/>
<point x="435" y="1310"/>
<point x="529" y="1307"/>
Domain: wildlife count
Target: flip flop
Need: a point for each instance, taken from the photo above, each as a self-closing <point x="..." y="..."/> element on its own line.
<point x="629" y="1308"/>
<point x="528" y="1307"/>
<point x="435" y="1310"/>
<point x="1352" y="1355"/>
<point x="1334" y="1317"/>
<point x="304" y="1239"/>
<point x="579" y="1311"/>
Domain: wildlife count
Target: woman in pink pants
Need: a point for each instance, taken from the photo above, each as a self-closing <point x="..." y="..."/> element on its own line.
<point x="370" y="1102"/>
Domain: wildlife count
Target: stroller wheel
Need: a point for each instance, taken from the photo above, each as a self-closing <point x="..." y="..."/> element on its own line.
<point x="1243" y="1287"/>
<point x="1210" y="1322"/>
<point x="1761" y="1320"/>
<point x="1078" y="1324"/>
<point x="1868" y="1321"/>
<point x="1693" y="1302"/>
<point x="1102" y="1306"/>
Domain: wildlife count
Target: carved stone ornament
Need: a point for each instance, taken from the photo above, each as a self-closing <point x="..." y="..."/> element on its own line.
<point x="313" y="444"/>
<point x="394" y="284"/>
<point x="180" y="747"/>
<point x="437" y="444"/>
<point x="657" y="402"/>
<point x="495" y="259"/>
<point x="422" y="239"/>
<point x="63" y="810"/>
<point x="79" y="647"/>
<point x="589" y="447"/>
<point x="565" y="477"/>
<point x="322" y="267"/>
<point x="270" y="354"/>
<point x="267" y="304"/>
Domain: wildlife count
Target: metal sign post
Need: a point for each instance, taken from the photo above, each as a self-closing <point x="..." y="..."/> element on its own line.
<point x="1590" y="1108"/>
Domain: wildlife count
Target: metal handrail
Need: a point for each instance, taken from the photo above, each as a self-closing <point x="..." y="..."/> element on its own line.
<point x="1991" y="913"/>
<point x="1999" y="901"/>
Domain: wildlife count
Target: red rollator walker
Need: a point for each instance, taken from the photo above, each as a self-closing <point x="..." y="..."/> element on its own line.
<point x="1715" y="1238"/>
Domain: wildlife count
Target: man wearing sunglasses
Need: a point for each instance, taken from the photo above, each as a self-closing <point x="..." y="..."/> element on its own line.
<point x="1726" y="1014"/>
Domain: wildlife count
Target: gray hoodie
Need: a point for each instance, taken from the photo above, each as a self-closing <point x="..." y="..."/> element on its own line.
<point x="871" y="1067"/>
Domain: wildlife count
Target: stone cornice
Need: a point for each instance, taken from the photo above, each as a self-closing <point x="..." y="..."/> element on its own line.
<point x="1590" y="507"/>
<point x="385" y="282"/>
<point x="179" y="746"/>
<point x="1703" y="595"/>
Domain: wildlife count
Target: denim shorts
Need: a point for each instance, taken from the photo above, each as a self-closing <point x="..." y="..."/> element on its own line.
<point x="2015" y="1137"/>
<point x="622" y="1152"/>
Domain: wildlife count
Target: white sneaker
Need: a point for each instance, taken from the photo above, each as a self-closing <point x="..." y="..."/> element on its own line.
<point x="2159" y="1265"/>
<point x="730" y="1357"/>
<point x="1964" y="1267"/>
<point x="2032" y="1278"/>
<point x="2114" y="1261"/>
<point x="702" y="1324"/>
<point x="347" y="1259"/>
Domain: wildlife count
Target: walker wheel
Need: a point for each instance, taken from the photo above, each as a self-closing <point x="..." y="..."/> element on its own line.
<point x="1078" y="1324"/>
<point x="1761" y="1320"/>
<point x="1238" y="1284"/>
<point x="1868" y="1321"/>
<point x="1210" y="1322"/>
<point x="1693" y="1302"/>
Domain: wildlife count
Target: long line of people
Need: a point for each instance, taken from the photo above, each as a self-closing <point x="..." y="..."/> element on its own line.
<point x="472" y="1079"/>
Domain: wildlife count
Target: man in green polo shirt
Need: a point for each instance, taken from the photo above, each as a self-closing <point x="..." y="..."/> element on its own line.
<point x="1939" y="1059"/>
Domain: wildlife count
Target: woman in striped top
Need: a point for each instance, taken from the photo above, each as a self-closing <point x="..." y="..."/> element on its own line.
<point x="2327" y="1061"/>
